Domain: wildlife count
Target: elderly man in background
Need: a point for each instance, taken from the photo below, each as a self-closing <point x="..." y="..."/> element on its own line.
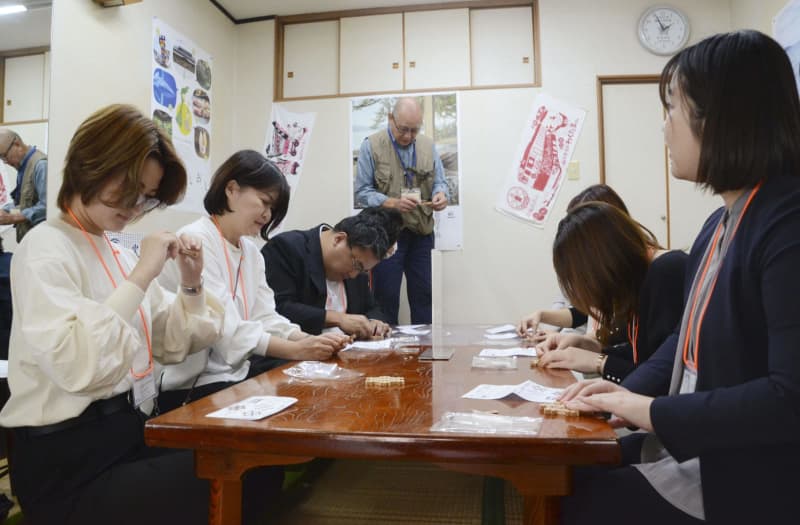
<point x="29" y="205"/>
<point x="402" y="170"/>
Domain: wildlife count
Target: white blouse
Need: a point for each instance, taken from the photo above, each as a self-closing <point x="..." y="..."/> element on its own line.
<point x="75" y="337"/>
<point x="242" y="335"/>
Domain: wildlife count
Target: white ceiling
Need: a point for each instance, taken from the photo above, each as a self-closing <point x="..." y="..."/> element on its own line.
<point x="241" y="9"/>
<point x="24" y="30"/>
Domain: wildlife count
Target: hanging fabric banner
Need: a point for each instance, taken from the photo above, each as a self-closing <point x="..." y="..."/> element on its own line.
<point x="287" y="140"/>
<point x="540" y="165"/>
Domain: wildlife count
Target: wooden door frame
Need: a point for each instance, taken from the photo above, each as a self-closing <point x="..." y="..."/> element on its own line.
<point x="602" y="81"/>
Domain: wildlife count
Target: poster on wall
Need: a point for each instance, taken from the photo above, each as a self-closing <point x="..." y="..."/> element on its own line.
<point x="540" y="165"/>
<point x="786" y="29"/>
<point x="369" y="115"/>
<point x="288" y="136"/>
<point x="180" y="103"/>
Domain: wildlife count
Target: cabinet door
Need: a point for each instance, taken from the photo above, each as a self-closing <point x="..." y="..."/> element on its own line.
<point x="437" y="49"/>
<point x="371" y="53"/>
<point x="24" y="88"/>
<point x="502" y="46"/>
<point x="311" y="59"/>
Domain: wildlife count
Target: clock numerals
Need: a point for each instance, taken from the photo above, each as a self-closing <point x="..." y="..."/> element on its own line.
<point x="663" y="30"/>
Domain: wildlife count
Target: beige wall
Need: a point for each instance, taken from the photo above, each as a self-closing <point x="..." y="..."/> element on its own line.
<point x="505" y="267"/>
<point x="103" y="55"/>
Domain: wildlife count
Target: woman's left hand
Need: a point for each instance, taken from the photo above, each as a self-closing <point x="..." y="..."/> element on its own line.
<point x="571" y="358"/>
<point x="189" y="257"/>
<point x="632" y="409"/>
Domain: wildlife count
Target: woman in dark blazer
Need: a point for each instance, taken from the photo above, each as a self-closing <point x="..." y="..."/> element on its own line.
<point x="724" y="438"/>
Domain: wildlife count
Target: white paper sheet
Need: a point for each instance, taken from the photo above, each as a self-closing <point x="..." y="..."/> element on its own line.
<point x="383" y="344"/>
<point x="412" y="331"/>
<point x="253" y="408"/>
<point x="500" y="329"/>
<point x="498" y="337"/>
<point x="508" y="352"/>
<point x="527" y="390"/>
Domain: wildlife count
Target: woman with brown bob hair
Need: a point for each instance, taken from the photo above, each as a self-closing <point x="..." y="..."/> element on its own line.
<point x="720" y="400"/>
<point x="610" y="266"/>
<point x="89" y="322"/>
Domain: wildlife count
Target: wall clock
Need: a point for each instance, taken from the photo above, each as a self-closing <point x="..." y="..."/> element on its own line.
<point x="663" y="30"/>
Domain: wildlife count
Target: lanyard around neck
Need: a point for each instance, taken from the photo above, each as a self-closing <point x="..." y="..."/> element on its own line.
<point x="239" y="277"/>
<point x="408" y="176"/>
<point x="692" y="363"/>
<point x="114" y="253"/>
<point x="633" y="336"/>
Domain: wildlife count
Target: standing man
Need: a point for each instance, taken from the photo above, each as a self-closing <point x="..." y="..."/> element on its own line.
<point x="29" y="204"/>
<point x="401" y="170"/>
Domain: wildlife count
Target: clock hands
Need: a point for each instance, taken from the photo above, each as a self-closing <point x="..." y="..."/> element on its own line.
<point x="661" y="26"/>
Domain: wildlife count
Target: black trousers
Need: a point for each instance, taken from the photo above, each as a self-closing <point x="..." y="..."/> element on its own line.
<point x="100" y="472"/>
<point x="619" y="495"/>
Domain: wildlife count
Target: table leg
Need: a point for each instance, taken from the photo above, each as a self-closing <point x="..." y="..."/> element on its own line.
<point x="224" y="469"/>
<point x="541" y="510"/>
<point x="225" y="502"/>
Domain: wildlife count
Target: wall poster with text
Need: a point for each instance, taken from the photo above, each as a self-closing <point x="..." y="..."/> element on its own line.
<point x="540" y="166"/>
<point x="181" y="105"/>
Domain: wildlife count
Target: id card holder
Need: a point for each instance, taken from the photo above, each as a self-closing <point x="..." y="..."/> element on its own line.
<point x="689" y="381"/>
<point x="144" y="389"/>
<point x="414" y="193"/>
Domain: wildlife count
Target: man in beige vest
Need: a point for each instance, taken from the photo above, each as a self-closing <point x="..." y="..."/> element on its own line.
<point x="29" y="199"/>
<point x="402" y="170"/>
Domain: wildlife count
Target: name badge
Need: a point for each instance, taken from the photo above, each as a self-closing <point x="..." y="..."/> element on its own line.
<point x="144" y="389"/>
<point x="688" y="382"/>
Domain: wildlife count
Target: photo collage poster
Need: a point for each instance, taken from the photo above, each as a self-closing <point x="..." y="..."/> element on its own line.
<point x="181" y="104"/>
<point x="369" y="115"/>
<point x="286" y="144"/>
<point x="540" y="165"/>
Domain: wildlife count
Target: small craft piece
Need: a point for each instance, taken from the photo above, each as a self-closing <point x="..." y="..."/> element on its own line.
<point x="558" y="409"/>
<point x="535" y="362"/>
<point x="384" y="381"/>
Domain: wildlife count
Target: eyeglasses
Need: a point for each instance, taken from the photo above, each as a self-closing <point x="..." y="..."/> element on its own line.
<point x="146" y="203"/>
<point x="357" y="265"/>
<point x="4" y="156"/>
<point x="405" y="130"/>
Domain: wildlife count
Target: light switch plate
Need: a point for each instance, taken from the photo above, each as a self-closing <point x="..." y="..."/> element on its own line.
<point x="574" y="170"/>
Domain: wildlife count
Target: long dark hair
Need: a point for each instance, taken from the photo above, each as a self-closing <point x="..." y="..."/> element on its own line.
<point x="601" y="257"/>
<point x="744" y="108"/>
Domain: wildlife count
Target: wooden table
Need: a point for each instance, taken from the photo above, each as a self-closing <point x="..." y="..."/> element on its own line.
<point x="346" y="419"/>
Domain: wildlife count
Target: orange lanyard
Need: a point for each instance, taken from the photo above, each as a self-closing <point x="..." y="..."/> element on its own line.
<point x="692" y="364"/>
<point x="114" y="252"/>
<point x="633" y="336"/>
<point x="239" y="275"/>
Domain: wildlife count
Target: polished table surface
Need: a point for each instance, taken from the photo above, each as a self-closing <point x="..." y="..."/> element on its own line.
<point x="347" y="419"/>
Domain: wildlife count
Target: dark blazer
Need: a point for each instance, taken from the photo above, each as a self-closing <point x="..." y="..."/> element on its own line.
<point x="660" y="309"/>
<point x="743" y="422"/>
<point x="297" y="276"/>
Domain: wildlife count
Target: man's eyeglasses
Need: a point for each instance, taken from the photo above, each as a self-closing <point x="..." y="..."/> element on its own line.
<point x="405" y="130"/>
<point x="146" y="203"/>
<point x="357" y="265"/>
<point x="4" y="156"/>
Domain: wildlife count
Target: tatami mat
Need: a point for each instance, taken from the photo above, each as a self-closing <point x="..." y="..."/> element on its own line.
<point x="349" y="492"/>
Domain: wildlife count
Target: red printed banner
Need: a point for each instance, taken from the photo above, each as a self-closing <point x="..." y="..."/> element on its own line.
<point x="540" y="165"/>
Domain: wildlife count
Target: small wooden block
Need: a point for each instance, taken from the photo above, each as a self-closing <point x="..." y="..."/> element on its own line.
<point x="558" y="409"/>
<point x="384" y="381"/>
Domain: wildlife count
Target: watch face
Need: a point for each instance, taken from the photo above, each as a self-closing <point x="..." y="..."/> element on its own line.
<point x="663" y="30"/>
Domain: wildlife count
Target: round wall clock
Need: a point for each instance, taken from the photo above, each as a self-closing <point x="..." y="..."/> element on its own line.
<point x="663" y="30"/>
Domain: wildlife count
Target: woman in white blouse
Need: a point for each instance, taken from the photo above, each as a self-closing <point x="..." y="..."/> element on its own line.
<point x="248" y="196"/>
<point x="89" y="322"/>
